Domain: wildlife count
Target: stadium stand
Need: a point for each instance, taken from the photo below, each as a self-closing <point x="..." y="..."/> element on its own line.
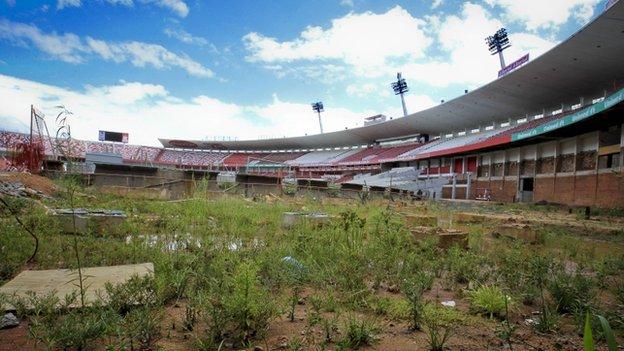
<point x="241" y="159"/>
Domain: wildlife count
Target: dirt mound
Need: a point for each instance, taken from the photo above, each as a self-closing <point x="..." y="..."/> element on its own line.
<point x="39" y="183"/>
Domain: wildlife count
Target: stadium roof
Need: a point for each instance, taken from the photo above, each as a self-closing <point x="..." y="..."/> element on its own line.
<point x="584" y="66"/>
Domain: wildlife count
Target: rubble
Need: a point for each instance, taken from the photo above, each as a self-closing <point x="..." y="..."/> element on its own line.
<point x="18" y="189"/>
<point x="8" y="321"/>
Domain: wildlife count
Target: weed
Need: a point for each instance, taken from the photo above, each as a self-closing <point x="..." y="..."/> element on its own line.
<point x="243" y="310"/>
<point x="490" y="300"/>
<point x="358" y="333"/>
<point x="571" y="292"/>
<point x="414" y="289"/>
<point x="440" y="323"/>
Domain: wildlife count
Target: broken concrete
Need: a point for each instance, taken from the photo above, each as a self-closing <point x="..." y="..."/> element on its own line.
<point x="62" y="282"/>
<point x="8" y="320"/>
<point x="465" y="217"/>
<point x="17" y="189"/>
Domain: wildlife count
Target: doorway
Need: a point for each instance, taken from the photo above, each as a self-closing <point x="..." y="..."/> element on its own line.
<point x="526" y="189"/>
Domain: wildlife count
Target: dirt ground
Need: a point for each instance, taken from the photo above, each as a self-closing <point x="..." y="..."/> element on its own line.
<point x="33" y="181"/>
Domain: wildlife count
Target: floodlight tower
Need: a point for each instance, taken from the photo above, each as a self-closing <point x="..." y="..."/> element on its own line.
<point x="497" y="43"/>
<point x="400" y="88"/>
<point x="318" y="107"/>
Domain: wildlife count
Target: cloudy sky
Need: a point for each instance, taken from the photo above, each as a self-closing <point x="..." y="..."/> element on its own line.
<point x="245" y="69"/>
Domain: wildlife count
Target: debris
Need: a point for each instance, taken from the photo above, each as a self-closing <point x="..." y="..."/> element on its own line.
<point x="449" y="303"/>
<point x="529" y="321"/>
<point x="8" y="321"/>
<point x="18" y="189"/>
<point x="37" y="183"/>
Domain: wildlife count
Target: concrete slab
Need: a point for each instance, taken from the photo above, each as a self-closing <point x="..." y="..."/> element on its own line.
<point x="422" y="232"/>
<point x="97" y="221"/>
<point x="63" y="282"/>
<point x="450" y="238"/>
<point x="420" y="220"/>
<point x="466" y="217"/>
<point x="518" y="231"/>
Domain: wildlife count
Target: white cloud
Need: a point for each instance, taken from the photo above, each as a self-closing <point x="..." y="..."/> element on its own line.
<point x="187" y="38"/>
<point x="469" y="63"/>
<point x="148" y="111"/>
<point x="369" y="45"/>
<point x="71" y="48"/>
<point x="535" y="14"/>
<point x="366" y="42"/>
<point x="348" y="3"/>
<point x="61" y="4"/>
<point x="361" y="90"/>
<point x="436" y="3"/>
<point x="179" y="7"/>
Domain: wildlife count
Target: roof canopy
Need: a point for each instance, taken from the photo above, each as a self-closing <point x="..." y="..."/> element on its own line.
<point x="584" y="66"/>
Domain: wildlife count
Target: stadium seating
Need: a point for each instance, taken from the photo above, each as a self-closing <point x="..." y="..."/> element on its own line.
<point x="336" y="160"/>
<point x="241" y="159"/>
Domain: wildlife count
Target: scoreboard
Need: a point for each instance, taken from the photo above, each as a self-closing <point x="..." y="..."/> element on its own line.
<point x="113" y="136"/>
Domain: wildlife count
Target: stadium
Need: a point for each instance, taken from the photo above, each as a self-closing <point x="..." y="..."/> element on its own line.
<point x="489" y="221"/>
<point x="548" y="131"/>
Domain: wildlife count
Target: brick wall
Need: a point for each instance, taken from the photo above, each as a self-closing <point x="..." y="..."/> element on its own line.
<point x="500" y="190"/>
<point x="528" y="167"/>
<point x="610" y="190"/>
<point x="543" y="189"/>
<point x="512" y="168"/>
<point x="497" y="170"/>
<point x="566" y="163"/>
<point x="546" y="165"/>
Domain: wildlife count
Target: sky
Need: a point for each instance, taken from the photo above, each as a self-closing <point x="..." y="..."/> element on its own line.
<point x="248" y="69"/>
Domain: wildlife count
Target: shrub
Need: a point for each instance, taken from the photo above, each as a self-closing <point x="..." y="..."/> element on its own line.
<point x="439" y="323"/>
<point x="241" y="310"/>
<point x="141" y="326"/>
<point x="489" y="299"/>
<point x="137" y="291"/>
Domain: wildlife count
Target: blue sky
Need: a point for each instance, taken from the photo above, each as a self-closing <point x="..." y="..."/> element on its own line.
<point x="248" y="69"/>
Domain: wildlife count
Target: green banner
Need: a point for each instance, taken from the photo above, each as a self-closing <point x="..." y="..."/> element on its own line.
<point x="587" y="112"/>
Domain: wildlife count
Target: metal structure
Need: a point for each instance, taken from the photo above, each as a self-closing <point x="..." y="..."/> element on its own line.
<point x="497" y="43"/>
<point x="400" y="88"/>
<point x="29" y="155"/>
<point x="318" y="107"/>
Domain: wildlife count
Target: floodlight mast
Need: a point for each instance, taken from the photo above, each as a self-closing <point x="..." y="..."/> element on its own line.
<point x="400" y="88"/>
<point x="497" y="43"/>
<point x="318" y="107"/>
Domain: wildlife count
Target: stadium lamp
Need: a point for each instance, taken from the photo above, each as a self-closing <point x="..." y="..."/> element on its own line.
<point x="400" y="88"/>
<point x="497" y="43"/>
<point x="318" y="107"/>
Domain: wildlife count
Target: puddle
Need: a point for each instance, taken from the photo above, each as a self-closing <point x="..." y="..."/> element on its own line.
<point x="167" y="242"/>
<point x="177" y="242"/>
